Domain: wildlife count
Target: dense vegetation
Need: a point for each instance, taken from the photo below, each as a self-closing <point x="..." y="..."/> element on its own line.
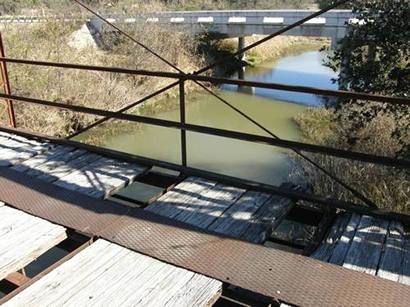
<point x="50" y="42"/>
<point x="374" y="58"/>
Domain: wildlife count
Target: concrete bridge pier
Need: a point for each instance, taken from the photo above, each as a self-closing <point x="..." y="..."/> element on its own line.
<point x="241" y="45"/>
<point x="241" y="56"/>
<point x="241" y="70"/>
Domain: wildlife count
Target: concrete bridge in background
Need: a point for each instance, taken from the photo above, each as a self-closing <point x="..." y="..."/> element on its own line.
<point x="241" y="23"/>
<point x="235" y="23"/>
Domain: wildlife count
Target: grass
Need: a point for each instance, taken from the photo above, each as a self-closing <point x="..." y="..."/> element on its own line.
<point x="387" y="187"/>
<point x="49" y="42"/>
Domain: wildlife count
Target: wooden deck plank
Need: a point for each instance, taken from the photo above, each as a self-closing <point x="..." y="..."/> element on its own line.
<point x="405" y="267"/>
<point x="326" y="248"/>
<point x="366" y="248"/>
<point x="74" y="292"/>
<point x="342" y="246"/>
<point x="101" y="178"/>
<point x="54" y="162"/>
<point x="267" y="218"/>
<point x="232" y="211"/>
<point x="161" y="287"/>
<point x="105" y="273"/>
<point x="21" y="139"/>
<point x="23" y="238"/>
<point x="4" y="134"/>
<point x="65" y="169"/>
<point x="179" y="198"/>
<point x="16" y="141"/>
<point x="392" y="258"/>
<point x="238" y="218"/>
<point x="374" y="246"/>
<point x="211" y="204"/>
<point x="58" y="281"/>
<point x="120" y="274"/>
<point x="7" y="143"/>
<point x="32" y="163"/>
<point x="15" y="149"/>
<point x="199" y="291"/>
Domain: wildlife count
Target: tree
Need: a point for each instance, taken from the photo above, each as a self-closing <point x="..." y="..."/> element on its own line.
<point x="376" y="49"/>
<point x="374" y="57"/>
<point x="326" y="3"/>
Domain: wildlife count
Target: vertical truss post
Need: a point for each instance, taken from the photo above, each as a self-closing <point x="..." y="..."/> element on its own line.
<point x="6" y="86"/>
<point x="182" y="120"/>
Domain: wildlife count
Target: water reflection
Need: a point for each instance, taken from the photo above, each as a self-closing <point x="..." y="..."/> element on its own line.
<point x="303" y="70"/>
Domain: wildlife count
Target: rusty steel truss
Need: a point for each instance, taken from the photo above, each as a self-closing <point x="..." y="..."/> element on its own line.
<point x="5" y="83"/>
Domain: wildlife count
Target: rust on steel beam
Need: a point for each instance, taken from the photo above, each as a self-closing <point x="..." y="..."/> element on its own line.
<point x="6" y="85"/>
<point x="17" y="278"/>
<point x="327" y="202"/>
<point x="217" y="81"/>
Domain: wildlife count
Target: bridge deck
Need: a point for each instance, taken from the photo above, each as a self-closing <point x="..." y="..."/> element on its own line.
<point x="365" y="244"/>
<point x="108" y="274"/>
<point x="23" y="238"/>
<point x="247" y="215"/>
<point x="25" y="184"/>
<point x="66" y="166"/>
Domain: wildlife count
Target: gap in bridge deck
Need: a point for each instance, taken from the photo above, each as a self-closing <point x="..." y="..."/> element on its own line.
<point x="42" y="263"/>
<point x="231" y="211"/>
<point x="297" y="229"/>
<point x="146" y="188"/>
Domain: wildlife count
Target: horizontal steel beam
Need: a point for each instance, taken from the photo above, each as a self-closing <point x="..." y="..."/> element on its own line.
<point x="345" y="154"/>
<point x="238" y="182"/>
<point x="217" y="81"/>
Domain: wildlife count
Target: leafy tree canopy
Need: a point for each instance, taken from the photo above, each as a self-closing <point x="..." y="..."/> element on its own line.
<point x="375" y="54"/>
<point x="374" y="57"/>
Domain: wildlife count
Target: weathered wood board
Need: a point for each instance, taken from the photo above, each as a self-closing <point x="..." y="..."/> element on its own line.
<point x="366" y="248"/>
<point x="392" y="258"/>
<point x="34" y="162"/>
<point x="108" y="274"/>
<point x="239" y="217"/>
<point x="101" y="178"/>
<point x="14" y="149"/>
<point x="247" y="215"/>
<point x="267" y="218"/>
<point x="67" y="166"/>
<point x="326" y="249"/>
<point x="343" y="245"/>
<point x="23" y="238"/>
<point x="404" y="277"/>
<point x="373" y="246"/>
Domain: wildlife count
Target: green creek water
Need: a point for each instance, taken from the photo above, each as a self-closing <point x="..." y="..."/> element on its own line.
<point x="273" y="109"/>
